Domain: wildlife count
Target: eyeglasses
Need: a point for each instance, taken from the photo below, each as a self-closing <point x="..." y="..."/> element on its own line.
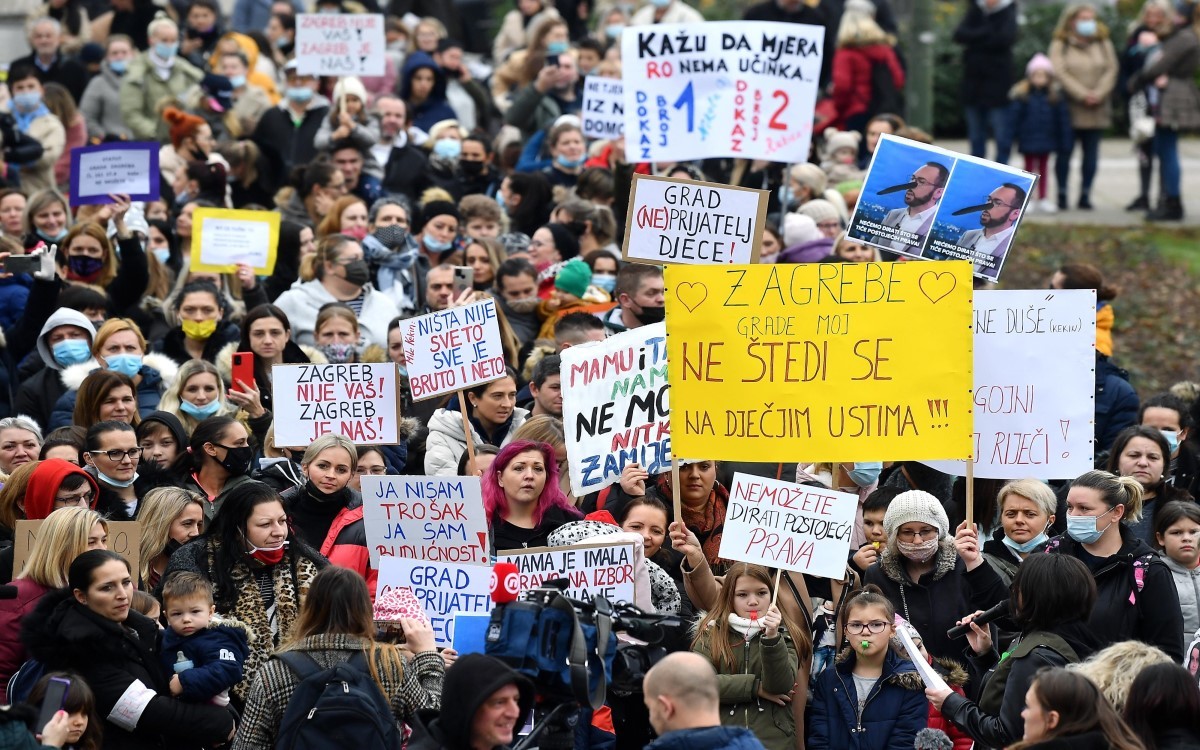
<point x="922" y="182"/>
<point x="375" y="471"/>
<point x="119" y="455"/>
<point x="989" y="200"/>
<point x="829" y="225"/>
<point x="923" y="535"/>
<point x="875" y="627"/>
<point x="86" y="496"/>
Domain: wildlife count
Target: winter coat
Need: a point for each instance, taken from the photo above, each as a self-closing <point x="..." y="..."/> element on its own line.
<point x="940" y="598"/>
<point x="1179" y="108"/>
<point x="435" y="108"/>
<point x="157" y="374"/>
<point x="894" y="712"/>
<point x="304" y="300"/>
<point x="364" y="136"/>
<point x="417" y="686"/>
<point x="142" y="94"/>
<point x="469" y="687"/>
<point x="76" y="137"/>
<point x="1136" y="595"/>
<point x="14" y="294"/>
<point x="707" y="738"/>
<point x="532" y="111"/>
<point x="1086" y="67"/>
<point x="285" y="143"/>
<point x="852" y="68"/>
<point x="1085" y="741"/>
<point x="1001" y="557"/>
<point x="12" y="613"/>
<point x="955" y="676"/>
<point x="48" y="131"/>
<point x="101" y="106"/>
<point x="216" y="652"/>
<point x="407" y="173"/>
<point x="1040" y="121"/>
<point x="120" y="665"/>
<point x="1187" y="586"/>
<point x="173" y="346"/>
<point x="767" y="662"/>
<point x="806" y="252"/>
<point x="344" y="542"/>
<point x="677" y="12"/>
<point x="37" y="394"/>
<point x="198" y="556"/>
<point x="1116" y="403"/>
<point x="446" y="442"/>
<point x="987" y="38"/>
<point x="506" y="536"/>
<point x="64" y="70"/>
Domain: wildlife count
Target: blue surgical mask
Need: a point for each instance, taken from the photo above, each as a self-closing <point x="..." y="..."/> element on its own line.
<point x="605" y="281"/>
<point x="500" y="199"/>
<point x="27" y="101"/>
<point x="436" y="245"/>
<point x="126" y="364"/>
<point x="53" y="237"/>
<point x="200" y="412"/>
<point x="1083" y="528"/>
<point x="299" y="94"/>
<point x="613" y="30"/>
<point x="1086" y="27"/>
<point x="116" y="482"/>
<point x="1172" y="439"/>
<point x="785" y="198"/>
<point x="237" y="81"/>
<point x="282" y="41"/>
<point x="118" y="66"/>
<point x="163" y="254"/>
<point x="71" y="352"/>
<point x="660" y="3"/>
<point x="447" y="148"/>
<point x="557" y="48"/>
<point x="1029" y="546"/>
<point x="569" y="163"/>
<point x="165" y="51"/>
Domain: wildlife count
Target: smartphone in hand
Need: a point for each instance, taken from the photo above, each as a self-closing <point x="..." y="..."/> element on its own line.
<point x="243" y="369"/>
<point x="53" y="701"/>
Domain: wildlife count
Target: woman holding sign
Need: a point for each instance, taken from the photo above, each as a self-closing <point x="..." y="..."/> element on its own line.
<point x="522" y="498"/>
<point x="494" y="417"/>
<point x="91" y="259"/>
<point x="267" y="334"/>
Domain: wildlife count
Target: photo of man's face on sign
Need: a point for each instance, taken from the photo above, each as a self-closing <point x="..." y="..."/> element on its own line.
<point x="901" y="196"/>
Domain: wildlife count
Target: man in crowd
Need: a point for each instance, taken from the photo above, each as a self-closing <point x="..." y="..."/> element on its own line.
<point x="683" y="699"/>
<point x="989" y="244"/>
<point x="484" y="703"/>
<point x="639" y="292"/>
<point x="405" y="167"/>
<point x="546" y="388"/>
<point x="45" y="36"/>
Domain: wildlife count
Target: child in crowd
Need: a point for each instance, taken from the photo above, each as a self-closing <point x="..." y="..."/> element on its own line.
<point x="573" y="292"/>
<point x="147" y="605"/>
<point x="852" y="251"/>
<point x="79" y="702"/>
<point x="1177" y="536"/>
<point x="949" y="670"/>
<point x="870" y="682"/>
<point x="1040" y="122"/>
<point x="874" y="508"/>
<point x="840" y="156"/>
<point x="203" y="653"/>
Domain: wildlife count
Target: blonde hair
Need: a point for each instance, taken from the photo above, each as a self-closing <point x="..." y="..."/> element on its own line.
<point x="1114" y="491"/>
<point x="844" y="239"/>
<point x="1034" y="489"/>
<point x="858" y="29"/>
<point x="160" y="507"/>
<point x="114" y="326"/>
<point x="62" y="537"/>
<point x="14" y="490"/>
<point x="172" y="398"/>
<point x="1114" y="668"/>
<point x="333" y="311"/>
<point x="325" y="442"/>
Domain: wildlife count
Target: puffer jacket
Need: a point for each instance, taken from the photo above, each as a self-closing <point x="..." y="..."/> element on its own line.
<point x="101" y="106"/>
<point x="14" y="295"/>
<point x="1187" y="585"/>
<point x="345" y="543"/>
<point x="216" y="652"/>
<point x="894" y="711"/>
<point x="304" y="300"/>
<point x="446" y="442"/>
<point x="852" y="77"/>
<point x="12" y="613"/>
<point x="142" y="92"/>
<point x="120" y="664"/>
<point x="769" y="662"/>
<point x="955" y="676"/>
<point x="1039" y="120"/>
<point x="1116" y="403"/>
<point x="157" y="374"/>
<point x="48" y="131"/>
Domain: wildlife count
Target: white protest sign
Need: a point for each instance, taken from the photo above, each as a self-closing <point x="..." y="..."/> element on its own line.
<point x="789" y="526"/>
<point x="357" y="400"/>
<point x="340" y="44"/>
<point x="603" y="112"/>
<point x="439" y="519"/>
<point x="616" y="407"/>
<point x="443" y="589"/>
<point x="129" y="169"/>
<point x="453" y="349"/>
<point x="590" y="569"/>
<point x="1035" y="389"/>
<point x="697" y="223"/>
<point x="223" y="238"/>
<point x="744" y="89"/>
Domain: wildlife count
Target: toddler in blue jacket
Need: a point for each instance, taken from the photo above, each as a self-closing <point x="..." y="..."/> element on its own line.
<point x="201" y="651"/>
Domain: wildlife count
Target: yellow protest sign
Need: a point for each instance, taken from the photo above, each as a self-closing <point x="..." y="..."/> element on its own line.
<point x="223" y="237"/>
<point x="820" y="362"/>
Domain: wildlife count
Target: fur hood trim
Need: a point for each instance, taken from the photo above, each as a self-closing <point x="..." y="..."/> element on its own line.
<point x="226" y="621"/>
<point x="952" y="672"/>
<point x="902" y="673"/>
<point x="73" y="376"/>
<point x="947" y="558"/>
<point x="409" y="426"/>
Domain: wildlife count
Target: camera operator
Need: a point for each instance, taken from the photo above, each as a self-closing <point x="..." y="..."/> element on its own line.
<point x="484" y="704"/>
<point x="683" y="699"/>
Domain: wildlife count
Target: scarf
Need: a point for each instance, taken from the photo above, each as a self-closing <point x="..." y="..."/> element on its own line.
<point x="708" y="522"/>
<point x="747" y="627"/>
<point x="25" y="119"/>
<point x="550" y="271"/>
<point x="162" y="68"/>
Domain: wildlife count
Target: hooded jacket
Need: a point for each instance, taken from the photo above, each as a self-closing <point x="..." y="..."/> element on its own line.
<point x="446" y="442"/>
<point x="852" y="77"/>
<point x="472" y="679"/>
<point x="101" y="106"/>
<point x="38" y="394"/>
<point x="217" y="653"/>
<point x="120" y="664"/>
<point x="894" y="712"/>
<point x="174" y="473"/>
<point x="1135" y="595"/>
<point x="157" y="374"/>
<point x="987" y="36"/>
<point x="707" y="738"/>
<point x="435" y="108"/>
<point x="304" y="300"/>
<point x="12" y="613"/>
<point x="44" y="483"/>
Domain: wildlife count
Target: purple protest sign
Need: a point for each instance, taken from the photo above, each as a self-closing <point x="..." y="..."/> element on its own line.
<point x="114" y="169"/>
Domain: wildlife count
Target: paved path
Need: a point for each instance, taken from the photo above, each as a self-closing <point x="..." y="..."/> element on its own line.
<point x="1116" y="185"/>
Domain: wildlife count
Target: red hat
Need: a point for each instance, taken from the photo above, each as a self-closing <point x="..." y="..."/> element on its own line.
<point x="44" y="483"/>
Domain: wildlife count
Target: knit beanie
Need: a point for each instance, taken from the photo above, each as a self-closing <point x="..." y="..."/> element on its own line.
<point x="351" y="86"/>
<point x="798" y="229"/>
<point x="439" y="208"/>
<point x="915" y="505"/>
<point x="1039" y="62"/>
<point x="565" y="242"/>
<point x="811" y="176"/>
<point x="841" y="139"/>
<point x="573" y="278"/>
<point x="820" y="210"/>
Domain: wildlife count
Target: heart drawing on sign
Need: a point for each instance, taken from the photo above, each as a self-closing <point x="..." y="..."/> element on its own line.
<point x="936" y="284"/>
<point x="691" y="294"/>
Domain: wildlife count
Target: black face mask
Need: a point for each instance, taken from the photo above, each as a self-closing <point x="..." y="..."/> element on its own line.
<point x="472" y="168"/>
<point x="358" y="272"/>
<point x="391" y="236"/>
<point x="172" y="545"/>
<point x="650" y="315"/>
<point x="340" y="496"/>
<point x="237" y="460"/>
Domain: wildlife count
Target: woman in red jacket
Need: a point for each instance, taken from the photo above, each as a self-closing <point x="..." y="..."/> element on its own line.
<point x="326" y="512"/>
<point x="861" y="47"/>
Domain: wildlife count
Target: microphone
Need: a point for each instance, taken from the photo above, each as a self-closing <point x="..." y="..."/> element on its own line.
<point x="972" y="209"/>
<point x="896" y="188"/>
<point x="504" y="583"/>
<point x="995" y="613"/>
<point x="932" y="739"/>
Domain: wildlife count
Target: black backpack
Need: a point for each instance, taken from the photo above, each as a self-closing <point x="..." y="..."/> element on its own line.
<point x="337" y="707"/>
<point x="886" y="98"/>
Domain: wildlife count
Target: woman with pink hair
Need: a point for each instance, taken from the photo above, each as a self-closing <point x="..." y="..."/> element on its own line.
<point x="522" y="498"/>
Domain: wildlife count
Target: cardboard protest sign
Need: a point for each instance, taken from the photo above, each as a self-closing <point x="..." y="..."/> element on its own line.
<point x="684" y="221"/>
<point x="926" y="202"/>
<point x="603" y="112"/>
<point x="744" y="89"/>
<point x="223" y="237"/>
<point x="790" y="526"/>
<point x="124" y="538"/>
<point x="1032" y="419"/>
<point x="443" y="589"/>
<point x="591" y="569"/>
<point x="427" y="518"/>
<point x="114" y="169"/>
<point x="357" y="400"/>
<point x="340" y="44"/>
<point x="453" y="349"/>
<point x="616" y="407"/>
<point x="844" y="361"/>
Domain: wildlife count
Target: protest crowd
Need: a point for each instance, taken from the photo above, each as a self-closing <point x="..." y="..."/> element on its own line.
<point x="334" y="333"/>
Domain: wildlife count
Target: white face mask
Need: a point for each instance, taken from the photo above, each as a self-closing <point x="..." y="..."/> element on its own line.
<point x="920" y="551"/>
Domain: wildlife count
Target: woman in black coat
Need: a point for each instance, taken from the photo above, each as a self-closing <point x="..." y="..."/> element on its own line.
<point x="89" y="628"/>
